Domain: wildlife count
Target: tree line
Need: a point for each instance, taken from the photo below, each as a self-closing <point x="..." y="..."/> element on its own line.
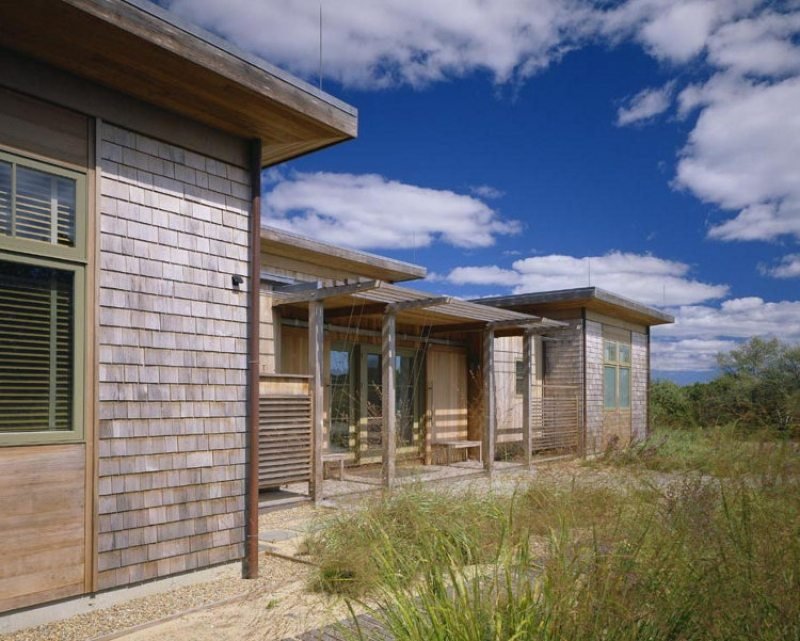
<point x="757" y="388"/>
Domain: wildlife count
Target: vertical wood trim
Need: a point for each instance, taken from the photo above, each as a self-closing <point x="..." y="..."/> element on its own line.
<point x="316" y="342"/>
<point x="490" y="415"/>
<point x="92" y="366"/>
<point x="250" y="561"/>
<point x="388" y="410"/>
<point x="647" y="426"/>
<point x="582" y="434"/>
<point x="527" y="427"/>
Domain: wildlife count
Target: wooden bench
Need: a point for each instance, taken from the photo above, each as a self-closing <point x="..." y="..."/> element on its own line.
<point x="460" y="445"/>
<point x="335" y="457"/>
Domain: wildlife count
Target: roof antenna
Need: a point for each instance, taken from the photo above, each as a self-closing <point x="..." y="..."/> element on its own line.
<point x="589" y="270"/>
<point x="320" y="46"/>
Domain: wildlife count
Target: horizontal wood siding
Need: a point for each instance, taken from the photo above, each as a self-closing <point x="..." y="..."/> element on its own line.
<point x="42" y="524"/>
<point x="172" y="354"/>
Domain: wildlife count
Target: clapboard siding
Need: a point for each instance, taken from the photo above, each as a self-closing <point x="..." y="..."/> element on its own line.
<point x="172" y="353"/>
<point x="42" y="523"/>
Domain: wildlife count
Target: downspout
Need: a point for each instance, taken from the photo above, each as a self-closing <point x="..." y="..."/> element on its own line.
<point x="250" y="562"/>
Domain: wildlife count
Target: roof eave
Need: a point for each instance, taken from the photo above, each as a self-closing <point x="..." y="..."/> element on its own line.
<point x="137" y="48"/>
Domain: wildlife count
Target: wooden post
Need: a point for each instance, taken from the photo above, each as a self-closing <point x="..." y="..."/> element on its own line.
<point x="389" y="436"/>
<point x="527" y="427"/>
<point x="315" y="365"/>
<point x="489" y="419"/>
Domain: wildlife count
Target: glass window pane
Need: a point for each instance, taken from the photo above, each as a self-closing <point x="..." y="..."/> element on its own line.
<point x="36" y="348"/>
<point x="44" y="207"/>
<point x="609" y="387"/>
<point x="624" y="354"/>
<point x="624" y="387"/>
<point x="5" y="198"/>
<point x="519" y="372"/>
<point x="341" y="399"/>
<point x="610" y="351"/>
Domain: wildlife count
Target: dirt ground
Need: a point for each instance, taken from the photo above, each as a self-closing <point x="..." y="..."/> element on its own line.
<point x="280" y="604"/>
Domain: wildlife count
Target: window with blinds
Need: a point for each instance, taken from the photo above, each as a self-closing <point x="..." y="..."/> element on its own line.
<point x="36" y="348"/>
<point x="41" y="289"/>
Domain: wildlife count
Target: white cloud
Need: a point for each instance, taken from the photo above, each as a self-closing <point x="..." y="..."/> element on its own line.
<point x="368" y="211"/>
<point x="788" y="267"/>
<point x="644" y="278"/>
<point x="378" y="44"/>
<point x="687" y="355"/>
<point x="760" y="46"/>
<point x="742" y="155"/>
<point x="487" y="191"/>
<point x="488" y="275"/>
<point x="701" y="331"/>
<point x="645" y="105"/>
<point x="671" y="30"/>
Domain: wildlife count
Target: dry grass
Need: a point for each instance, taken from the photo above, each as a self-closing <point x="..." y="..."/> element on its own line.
<point x="703" y="557"/>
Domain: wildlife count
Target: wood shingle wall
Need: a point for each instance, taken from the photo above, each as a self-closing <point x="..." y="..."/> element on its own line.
<point x="594" y="387"/>
<point x="639" y="369"/>
<point x="172" y="356"/>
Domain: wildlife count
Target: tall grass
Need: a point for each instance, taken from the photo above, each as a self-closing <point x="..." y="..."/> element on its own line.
<point x="699" y="558"/>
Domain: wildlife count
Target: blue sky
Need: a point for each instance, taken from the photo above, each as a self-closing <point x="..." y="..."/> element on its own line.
<point x="521" y="145"/>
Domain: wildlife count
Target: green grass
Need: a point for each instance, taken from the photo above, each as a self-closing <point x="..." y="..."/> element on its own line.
<point x="700" y="557"/>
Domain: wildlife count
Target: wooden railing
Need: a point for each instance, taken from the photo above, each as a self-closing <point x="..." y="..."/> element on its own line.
<point x="284" y="450"/>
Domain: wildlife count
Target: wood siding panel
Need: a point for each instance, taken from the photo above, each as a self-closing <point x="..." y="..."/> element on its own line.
<point x="52" y="132"/>
<point x="447" y="387"/>
<point x="508" y="404"/>
<point x="42" y="500"/>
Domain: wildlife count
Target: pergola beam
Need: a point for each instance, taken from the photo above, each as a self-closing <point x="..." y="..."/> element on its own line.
<point x="405" y="305"/>
<point x="288" y="297"/>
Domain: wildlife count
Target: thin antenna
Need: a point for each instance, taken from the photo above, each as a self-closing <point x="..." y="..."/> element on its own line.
<point x="320" y="46"/>
<point x="589" y="270"/>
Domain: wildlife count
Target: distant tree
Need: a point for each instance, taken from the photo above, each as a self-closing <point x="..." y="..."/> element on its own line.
<point x="669" y="405"/>
<point x="764" y="383"/>
<point x="758" y="387"/>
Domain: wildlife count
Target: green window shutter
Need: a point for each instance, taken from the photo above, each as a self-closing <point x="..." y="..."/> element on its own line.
<point x="36" y="348"/>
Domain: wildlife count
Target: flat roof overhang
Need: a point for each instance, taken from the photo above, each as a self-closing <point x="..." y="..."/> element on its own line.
<point x="137" y="48"/>
<point x="277" y="242"/>
<point x="412" y="307"/>
<point x="591" y="298"/>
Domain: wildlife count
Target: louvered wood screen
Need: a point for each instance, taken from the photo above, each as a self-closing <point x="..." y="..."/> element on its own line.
<point x="284" y="431"/>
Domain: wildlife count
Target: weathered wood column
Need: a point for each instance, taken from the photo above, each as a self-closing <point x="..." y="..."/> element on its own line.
<point x="316" y="341"/>
<point x="389" y="432"/>
<point x="490" y="418"/>
<point x="527" y="426"/>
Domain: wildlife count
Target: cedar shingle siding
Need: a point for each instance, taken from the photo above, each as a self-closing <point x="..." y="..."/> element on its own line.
<point x="172" y="358"/>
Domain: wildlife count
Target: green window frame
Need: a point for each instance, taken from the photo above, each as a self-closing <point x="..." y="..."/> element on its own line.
<point x="616" y="375"/>
<point x="42" y="302"/>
